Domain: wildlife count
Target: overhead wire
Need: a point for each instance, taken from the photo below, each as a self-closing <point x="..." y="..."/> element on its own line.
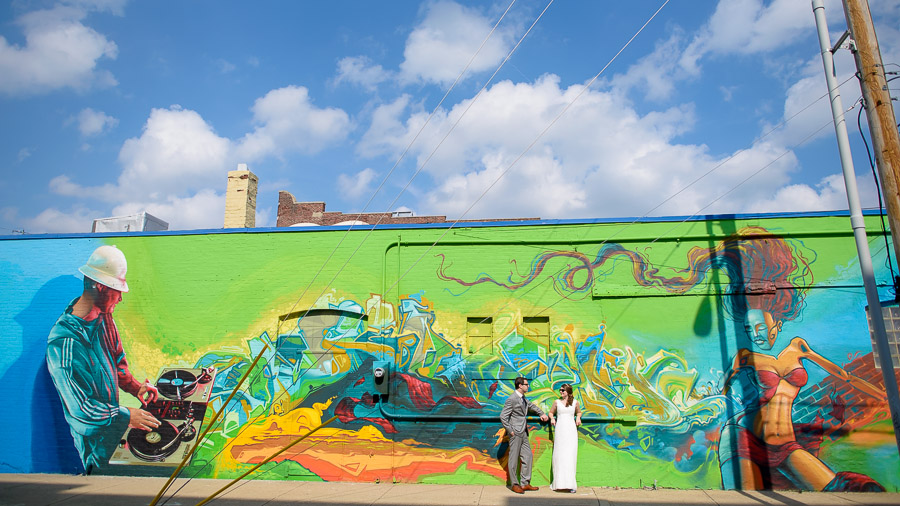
<point x="771" y="130"/>
<point x="533" y="142"/>
<point x="530" y="145"/>
<point x="373" y="228"/>
<point x="527" y="149"/>
<point x="554" y="121"/>
<point x="890" y="264"/>
<point x="409" y="145"/>
<point x="754" y="174"/>
<point x="725" y="161"/>
<point x="751" y="176"/>
<point x="397" y="163"/>
<point x="438" y="106"/>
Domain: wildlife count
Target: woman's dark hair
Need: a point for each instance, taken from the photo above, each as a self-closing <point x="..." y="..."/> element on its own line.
<point x="570" y="398"/>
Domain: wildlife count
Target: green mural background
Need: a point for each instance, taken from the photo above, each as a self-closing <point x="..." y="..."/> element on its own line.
<point x="646" y="336"/>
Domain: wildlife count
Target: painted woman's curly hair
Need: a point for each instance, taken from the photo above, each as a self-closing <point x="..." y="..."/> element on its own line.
<point x="765" y="272"/>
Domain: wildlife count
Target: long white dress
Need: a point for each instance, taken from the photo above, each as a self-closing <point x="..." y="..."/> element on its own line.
<point x="565" y="447"/>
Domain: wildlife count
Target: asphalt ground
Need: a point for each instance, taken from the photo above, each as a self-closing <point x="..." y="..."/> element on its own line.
<point x="69" y="490"/>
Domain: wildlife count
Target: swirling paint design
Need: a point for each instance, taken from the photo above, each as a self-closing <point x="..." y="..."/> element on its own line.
<point x="565" y="281"/>
<point x="679" y="411"/>
<point x="421" y="396"/>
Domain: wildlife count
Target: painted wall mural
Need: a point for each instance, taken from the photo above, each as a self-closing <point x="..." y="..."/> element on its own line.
<point x="735" y="356"/>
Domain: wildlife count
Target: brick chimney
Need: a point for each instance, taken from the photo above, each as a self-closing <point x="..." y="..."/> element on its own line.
<point x="240" y="198"/>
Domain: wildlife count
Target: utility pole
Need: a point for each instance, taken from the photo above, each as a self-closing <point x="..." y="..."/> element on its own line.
<point x="857" y="222"/>
<point x="879" y="110"/>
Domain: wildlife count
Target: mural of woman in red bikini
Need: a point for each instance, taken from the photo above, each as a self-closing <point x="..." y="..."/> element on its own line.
<point x="760" y="446"/>
<point x="762" y="441"/>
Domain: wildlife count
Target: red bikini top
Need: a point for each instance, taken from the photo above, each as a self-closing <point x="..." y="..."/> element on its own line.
<point x="769" y="380"/>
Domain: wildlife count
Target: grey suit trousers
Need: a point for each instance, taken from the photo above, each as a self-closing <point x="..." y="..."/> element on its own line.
<point x="520" y="450"/>
<point x="513" y="418"/>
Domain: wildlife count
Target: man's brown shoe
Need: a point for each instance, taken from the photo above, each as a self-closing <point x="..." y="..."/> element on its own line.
<point x="529" y="487"/>
<point x="517" y="489"/>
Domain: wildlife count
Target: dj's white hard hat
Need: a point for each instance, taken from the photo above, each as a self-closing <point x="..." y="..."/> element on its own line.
<point x="107" y="266"/>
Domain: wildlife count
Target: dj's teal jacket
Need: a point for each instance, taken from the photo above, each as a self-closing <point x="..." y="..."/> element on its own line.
<point x="88" y="366"/>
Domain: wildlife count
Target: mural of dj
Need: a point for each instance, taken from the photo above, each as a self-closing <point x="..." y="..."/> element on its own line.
<point x="88" y="366"/>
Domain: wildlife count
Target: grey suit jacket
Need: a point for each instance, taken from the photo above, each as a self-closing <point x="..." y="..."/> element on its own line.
<point x="514" y="412"/>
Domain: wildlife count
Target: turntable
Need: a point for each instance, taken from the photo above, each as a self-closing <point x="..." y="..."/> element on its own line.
<point x="180" y="408"/>
<point x="186" y="384"/>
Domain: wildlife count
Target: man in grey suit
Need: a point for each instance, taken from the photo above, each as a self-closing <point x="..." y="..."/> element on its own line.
<point x="513" y="419"/>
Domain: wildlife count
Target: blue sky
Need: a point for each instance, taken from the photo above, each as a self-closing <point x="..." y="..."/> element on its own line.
<point x="110" y="107"/>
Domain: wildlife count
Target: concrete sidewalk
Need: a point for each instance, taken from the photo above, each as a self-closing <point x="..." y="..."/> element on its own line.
<point x="68" y="490"/>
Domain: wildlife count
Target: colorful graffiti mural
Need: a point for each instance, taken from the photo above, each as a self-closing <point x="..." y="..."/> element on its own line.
<point x="676" y="349"/>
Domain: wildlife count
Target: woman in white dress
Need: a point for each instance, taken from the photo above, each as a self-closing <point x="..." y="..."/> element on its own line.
<point x="565" y="415"/>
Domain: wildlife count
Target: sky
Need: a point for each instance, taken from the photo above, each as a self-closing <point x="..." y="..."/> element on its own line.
<point x="468" y="109"/>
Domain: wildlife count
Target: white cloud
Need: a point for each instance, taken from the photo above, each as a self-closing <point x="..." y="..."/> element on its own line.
<point x="737" y="27"/>
<point x="601" y="158"/>
<point x="173" y="167"/>
<point x="62" y="185"/>
<point x="752" y="26"/>
<point x="807" y="110"/>
<point x="177" y="152"/>
<point x="354" y="186"/>
<point x="204" y="209"/>
<point x="91" y="122"/>
<point x="167" y="171"/>
<point x="828" y="195"/>
<point x="59" y="52"/>
<point x="540" y="187"/>
<point x="116" y="7"/>
<point x="287" y="121"/>
<point x="806" y="114"/>
<point x="440" y="47"/>
<point x="387" y="134"/>
<point x="654" y="74"/>
<point x="23" y="154"/>
<point x="225" y="66"/>
<point x="360" y="70"/>
<point x="264" y="217"/>
<point x="727" y="92"/>
<point x="52" y="220"/>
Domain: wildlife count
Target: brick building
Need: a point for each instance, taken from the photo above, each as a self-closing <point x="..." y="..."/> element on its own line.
<point x="293" y="213"/>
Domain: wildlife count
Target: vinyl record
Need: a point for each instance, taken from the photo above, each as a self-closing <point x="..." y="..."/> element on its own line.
<point x="177" y="384"/>
<point x="153" y="445"/>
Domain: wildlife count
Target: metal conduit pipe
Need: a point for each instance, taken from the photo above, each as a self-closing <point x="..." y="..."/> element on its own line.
<point x="619" y="419"/>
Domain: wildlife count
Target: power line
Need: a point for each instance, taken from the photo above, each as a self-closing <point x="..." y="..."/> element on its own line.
<point x="552" y="123"/>
<point x="328" y="285"/>
<point x="608" y="238"/>
<point x="408" y="147"/>
<point x="531" y="145"/>
<point x="491" y="186"/>
<point x="748" y="178"/>
<point x="877" y="188"/>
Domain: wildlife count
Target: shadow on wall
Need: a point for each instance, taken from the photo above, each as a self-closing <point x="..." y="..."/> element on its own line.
<point x="50" y="448"/>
